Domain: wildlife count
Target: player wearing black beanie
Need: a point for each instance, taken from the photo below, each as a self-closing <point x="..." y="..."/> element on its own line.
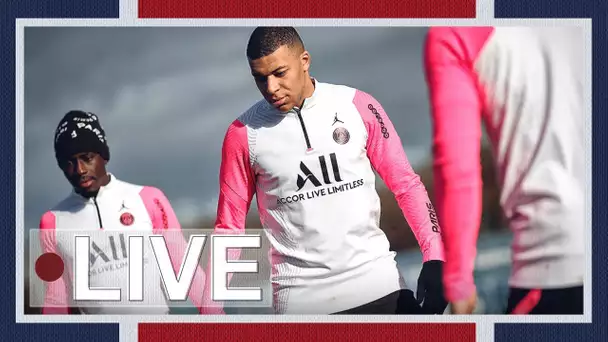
<point x="102" y="202"/>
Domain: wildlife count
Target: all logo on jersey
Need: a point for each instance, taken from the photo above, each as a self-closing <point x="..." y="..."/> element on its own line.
<point x="309" y="176"/>
<point x="322" y="181"/>
<point x="109" y="255"/>
<point x="127" y="219"/>
<point x="117" y="250"/>
<point x="341" y="135"/>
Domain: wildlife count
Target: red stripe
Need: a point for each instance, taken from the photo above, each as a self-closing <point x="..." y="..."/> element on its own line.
<point x="306" y="9"/>
<point x="299" y="332"/>
<point x="527" y="303"/>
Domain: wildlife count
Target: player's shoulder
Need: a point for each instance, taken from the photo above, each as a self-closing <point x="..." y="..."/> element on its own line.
<point x="334" y="91"/>
<point x="68" y="204"/>
<point x="351" y="94"/>
<point x="47" y="220"/>
<point x="151" y="196"/>
<point x="258" y="115"/>
<point x="152" y="191"/>
<point x="129" y="188"/>
<point x="346" y="95"/>
<point x="441" y="31"/>
<point x="457" y="32"/>
<point x="462" y="41"/>
<point x="259" y="106"/>
<point x="121" y="190"/>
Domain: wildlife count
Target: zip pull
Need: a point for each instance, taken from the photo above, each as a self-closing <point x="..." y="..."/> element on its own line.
<point x="98" y="213"/>
<point x="309" y="148"/>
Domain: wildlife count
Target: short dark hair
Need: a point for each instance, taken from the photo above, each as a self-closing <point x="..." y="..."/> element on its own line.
<point x="266" y="40"/>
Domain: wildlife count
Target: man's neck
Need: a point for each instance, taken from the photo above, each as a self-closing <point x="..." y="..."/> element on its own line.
<point x="107" y="179"/>
<point x="87" y="194"/>
<point x="309" y="89"/>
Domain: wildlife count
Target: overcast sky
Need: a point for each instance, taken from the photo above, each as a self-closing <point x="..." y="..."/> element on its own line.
<point x="165" y="97"/>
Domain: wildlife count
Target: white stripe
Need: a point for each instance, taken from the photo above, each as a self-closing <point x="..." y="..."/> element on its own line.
<point x="127" y="332"/>
<point x="484" y="9"/>
<point x="19" y="172"/>
<point x="484" y="332"/>
<point x="128" y="9"/>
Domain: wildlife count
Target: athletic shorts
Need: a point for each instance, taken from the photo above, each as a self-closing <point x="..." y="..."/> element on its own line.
<point x="564" y="301"/>
<point x="397" y="303"/>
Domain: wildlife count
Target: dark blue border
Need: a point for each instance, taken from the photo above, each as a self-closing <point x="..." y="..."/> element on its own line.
<point x="9" y="11"/>
<point x="597" y="10"/>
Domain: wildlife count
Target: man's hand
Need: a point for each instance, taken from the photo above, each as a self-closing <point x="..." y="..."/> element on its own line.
<point x="465" y="306"/>
<point x="430" y="288"/>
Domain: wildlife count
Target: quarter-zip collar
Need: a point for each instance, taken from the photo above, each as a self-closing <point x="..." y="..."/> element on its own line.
<point x="309" y="102"/>
<point x="313" y="99"/>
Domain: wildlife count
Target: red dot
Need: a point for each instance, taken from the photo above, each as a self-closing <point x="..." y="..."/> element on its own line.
<point x="49" y="267"/>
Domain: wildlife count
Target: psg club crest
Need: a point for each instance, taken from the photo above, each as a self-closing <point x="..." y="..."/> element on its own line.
<point x="127" y="219"/>
<point x="341" y="135"/>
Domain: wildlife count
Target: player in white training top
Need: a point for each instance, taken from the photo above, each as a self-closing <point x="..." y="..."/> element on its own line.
<point x="308" y="152"/>
<point x="101" y="202"/>
<point x="526" y="85"/>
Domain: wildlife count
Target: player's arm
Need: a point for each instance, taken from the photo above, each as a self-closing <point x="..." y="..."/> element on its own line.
<point x="165" y="223"/>
<point x="456" y="120"/>
<point x="55" y="293"/>
<point x="237" y="181"/>
<point x="237" y="188"/>
<point x="386" y="154"/>
<point x="388" y="158"/>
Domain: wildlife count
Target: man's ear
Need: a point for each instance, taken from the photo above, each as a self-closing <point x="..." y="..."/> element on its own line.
<point x="305" y="60"/>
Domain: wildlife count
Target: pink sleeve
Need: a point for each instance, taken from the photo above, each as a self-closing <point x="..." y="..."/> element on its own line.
<point x="237" y="187"/>
<point x="456" y="107"/>
<point x="165" y="223"/>
<point x="388" y="158"/>
<point x="237" y="182"/>
<point x="55" y="296"/>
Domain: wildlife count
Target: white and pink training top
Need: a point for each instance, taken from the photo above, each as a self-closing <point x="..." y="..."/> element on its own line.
<point x="526" y="85"/>
<point x="312" y="171"/>
<point x="120" y="208"/>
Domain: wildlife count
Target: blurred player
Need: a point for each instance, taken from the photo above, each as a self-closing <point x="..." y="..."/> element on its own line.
<point x="101" y="201"/>
<point x="308" y="151"/>
<point x="526" y="86"/>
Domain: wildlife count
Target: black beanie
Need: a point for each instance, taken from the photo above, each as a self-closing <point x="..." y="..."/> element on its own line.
<point x="80" y="132"/>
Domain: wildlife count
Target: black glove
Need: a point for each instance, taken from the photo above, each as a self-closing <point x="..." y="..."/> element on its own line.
<point x="430" y="288"/>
